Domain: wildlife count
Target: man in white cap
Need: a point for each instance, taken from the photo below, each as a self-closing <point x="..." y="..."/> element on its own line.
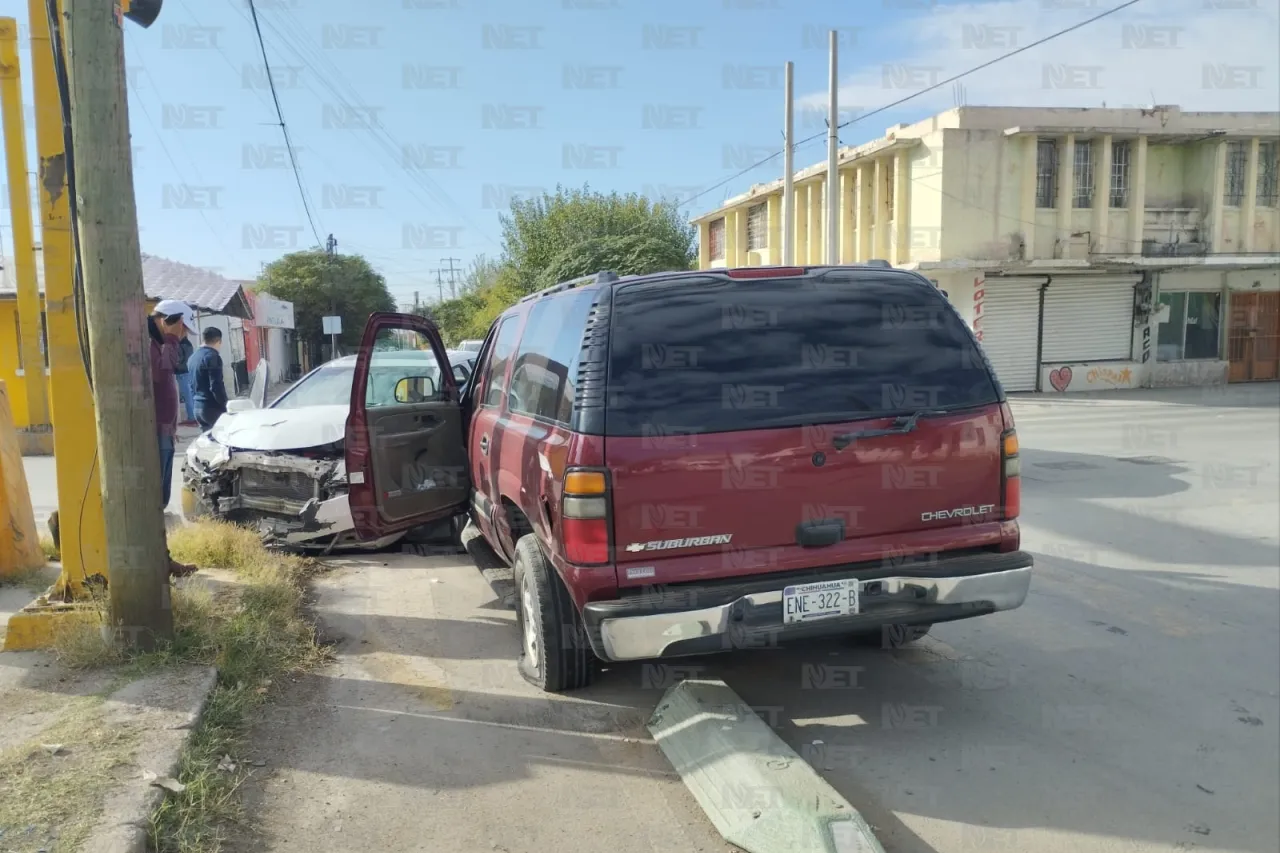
<point x="169" y="322"/>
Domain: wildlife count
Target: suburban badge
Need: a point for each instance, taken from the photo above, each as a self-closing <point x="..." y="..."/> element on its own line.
<point x="668" y="544"/>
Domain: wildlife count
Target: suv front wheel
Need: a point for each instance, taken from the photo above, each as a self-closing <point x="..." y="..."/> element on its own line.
<point x="554" y="653"/>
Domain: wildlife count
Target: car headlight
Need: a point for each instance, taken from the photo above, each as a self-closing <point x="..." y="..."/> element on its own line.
<point x="206" y="453"/>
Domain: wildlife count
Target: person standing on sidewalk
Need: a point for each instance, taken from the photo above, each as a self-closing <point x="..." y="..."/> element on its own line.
<point x="208" y="386"/>
<point x="185" y="380"/>
<point x="168" y="323"/>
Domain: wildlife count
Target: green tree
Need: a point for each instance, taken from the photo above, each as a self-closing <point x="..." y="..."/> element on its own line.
<point x="634" y="254"/>
<point x="539" y="232"/>
<point x="318" y="285"/>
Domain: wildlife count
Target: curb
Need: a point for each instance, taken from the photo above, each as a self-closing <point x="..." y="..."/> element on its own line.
<point x="170" y="705"/>
<point x="759" y="794"/>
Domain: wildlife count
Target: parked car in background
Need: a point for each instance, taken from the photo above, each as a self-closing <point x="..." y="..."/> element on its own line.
<point x="470" y="346"/>
<point x="683" y="463"/>
<point x="280" y="468"/>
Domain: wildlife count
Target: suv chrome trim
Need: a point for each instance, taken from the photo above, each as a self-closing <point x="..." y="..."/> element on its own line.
<point x="649" y="636"/>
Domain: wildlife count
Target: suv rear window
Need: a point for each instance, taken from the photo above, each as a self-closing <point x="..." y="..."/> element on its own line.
<point x="718" y="355"/>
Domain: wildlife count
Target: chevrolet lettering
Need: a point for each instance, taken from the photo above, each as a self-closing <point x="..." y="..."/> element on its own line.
<point x="668" y="544"/>
<point x="958" y="512"/>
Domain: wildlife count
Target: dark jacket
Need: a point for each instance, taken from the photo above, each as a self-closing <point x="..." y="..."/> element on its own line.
<point x="164" y="360"/>
<point x="207" y="387"/>
<point x="185" y="351"/>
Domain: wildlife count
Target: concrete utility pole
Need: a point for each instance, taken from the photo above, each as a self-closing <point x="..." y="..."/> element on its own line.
<point x="833" y="169"/>
<point x="116" y="305"/>
<point x="453" y="279"/>
<point x="789" y="168"/>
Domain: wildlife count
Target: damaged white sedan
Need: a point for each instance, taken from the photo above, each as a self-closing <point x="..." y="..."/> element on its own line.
<point x="281" y="469"/>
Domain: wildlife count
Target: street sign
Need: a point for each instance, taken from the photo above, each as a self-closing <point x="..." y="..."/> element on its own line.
<point x="273" y="313"/>
<point x="332" y="325"/>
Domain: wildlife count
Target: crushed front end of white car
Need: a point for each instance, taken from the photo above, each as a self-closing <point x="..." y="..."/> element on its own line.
<point x="279" y="472"/>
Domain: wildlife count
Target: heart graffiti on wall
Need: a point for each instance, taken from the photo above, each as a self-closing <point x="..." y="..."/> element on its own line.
<point x="1060" y="378"/>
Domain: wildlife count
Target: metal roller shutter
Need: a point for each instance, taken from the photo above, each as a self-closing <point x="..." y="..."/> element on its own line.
<point x="1088" y="319"/>
<point x="1010" y="330"/>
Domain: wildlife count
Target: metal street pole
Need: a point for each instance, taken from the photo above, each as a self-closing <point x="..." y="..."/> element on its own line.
<point x="833" y="172"/>
<point x="24" y="255"/>
<point x="788" y="169"/>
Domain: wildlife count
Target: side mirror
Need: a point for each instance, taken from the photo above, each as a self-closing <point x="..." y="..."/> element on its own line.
<point x="240" y="404"/>
<point x="415" y="389"/>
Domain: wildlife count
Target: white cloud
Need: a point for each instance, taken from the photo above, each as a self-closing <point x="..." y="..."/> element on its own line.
<point x="1197" y="54"/>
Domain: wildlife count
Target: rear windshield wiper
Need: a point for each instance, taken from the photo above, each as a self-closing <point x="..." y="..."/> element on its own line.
<point x="902" y="424"/>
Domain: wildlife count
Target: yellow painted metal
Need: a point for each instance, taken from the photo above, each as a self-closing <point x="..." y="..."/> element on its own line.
<point x="38" y="624"/>
<point x="81" y="527"/>
<point x="20" y="550"/>
<point x="24" y="256"/>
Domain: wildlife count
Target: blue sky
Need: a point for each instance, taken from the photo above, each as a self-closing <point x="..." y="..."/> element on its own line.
<point x="492" y="97"/>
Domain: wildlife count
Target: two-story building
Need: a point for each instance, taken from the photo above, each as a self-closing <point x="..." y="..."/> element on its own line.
<point x="1088" y="248"/>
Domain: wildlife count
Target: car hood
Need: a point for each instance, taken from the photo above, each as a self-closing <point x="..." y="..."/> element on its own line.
<point x="281" y="429"/>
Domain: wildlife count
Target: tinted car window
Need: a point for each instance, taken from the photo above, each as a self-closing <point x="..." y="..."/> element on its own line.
<point x="503" y="348"/>
<point x="709" y="355"/>
<point x="546" y="366"/>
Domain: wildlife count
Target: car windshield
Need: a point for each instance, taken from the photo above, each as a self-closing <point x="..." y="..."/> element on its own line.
<point x="331" y="384"/>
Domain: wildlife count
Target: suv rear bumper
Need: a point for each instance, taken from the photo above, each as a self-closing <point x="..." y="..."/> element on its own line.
<point x="718" y="616"/>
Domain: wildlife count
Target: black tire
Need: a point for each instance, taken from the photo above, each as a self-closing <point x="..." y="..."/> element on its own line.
<point x="554" y="653"/>
<point x="893" y="636"/>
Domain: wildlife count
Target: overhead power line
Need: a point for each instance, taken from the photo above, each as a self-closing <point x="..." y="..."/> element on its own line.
<point x="284" y="128"/>
<point x="914" y="95"/>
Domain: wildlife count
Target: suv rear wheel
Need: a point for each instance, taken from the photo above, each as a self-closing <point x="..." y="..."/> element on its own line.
<point x="554" y="653"/>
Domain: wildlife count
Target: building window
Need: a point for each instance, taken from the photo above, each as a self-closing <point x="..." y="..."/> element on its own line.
<point x="715" y="237"/>
<point x="758" y="226"/>
<point x="1084" y="173"/>
<point x="1268" y="172"/>
<point x="1237" y="164"/>
<point x="1120" y="174"/>
<point x="1189" y="324"/>
<point x="1046" y="173"/>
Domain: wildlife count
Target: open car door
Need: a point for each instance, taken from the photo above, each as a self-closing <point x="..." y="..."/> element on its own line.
<point x="406" y="455"/>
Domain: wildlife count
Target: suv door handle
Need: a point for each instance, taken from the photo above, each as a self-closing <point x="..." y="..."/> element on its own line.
<point x="484" y="445"/>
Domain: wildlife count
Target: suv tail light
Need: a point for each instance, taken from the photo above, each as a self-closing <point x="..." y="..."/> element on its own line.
<point x="1010" y="478"/>
<point x="584" y="517"/>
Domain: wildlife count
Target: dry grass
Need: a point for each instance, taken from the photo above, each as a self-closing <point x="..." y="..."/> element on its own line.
<point x="51" y="802"/>
<point x="253" y="633"/>
<point x="50" y="550"/>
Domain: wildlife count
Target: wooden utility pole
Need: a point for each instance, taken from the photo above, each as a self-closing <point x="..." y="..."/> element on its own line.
<point x="116" y="307"/>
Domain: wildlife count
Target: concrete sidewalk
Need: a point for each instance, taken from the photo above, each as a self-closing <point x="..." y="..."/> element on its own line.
<point x="77" y="747"/>
<point x="421" y="736"/>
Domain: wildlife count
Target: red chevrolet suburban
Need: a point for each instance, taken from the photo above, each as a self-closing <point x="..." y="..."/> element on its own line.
<point x="689" y="462"/>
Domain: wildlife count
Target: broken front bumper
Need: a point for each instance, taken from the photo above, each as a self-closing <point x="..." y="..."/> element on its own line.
<point x="290" y="499"/>
<point x="742" y="613"/>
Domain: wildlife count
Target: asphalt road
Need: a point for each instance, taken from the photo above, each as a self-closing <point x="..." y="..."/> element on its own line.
<point x="1132" y="704"/>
